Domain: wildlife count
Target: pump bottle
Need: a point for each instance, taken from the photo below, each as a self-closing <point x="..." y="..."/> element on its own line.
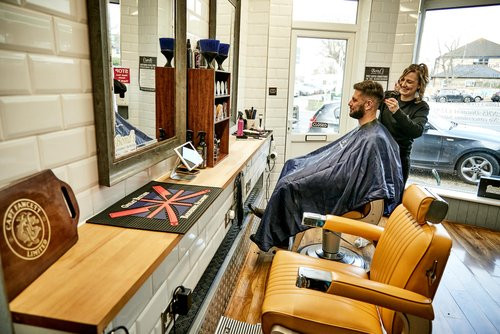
<point x="189" y="55"/>
<point x="241" y="124"/>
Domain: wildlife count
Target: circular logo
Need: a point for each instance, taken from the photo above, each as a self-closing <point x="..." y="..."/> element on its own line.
<point x="26" y="229"/>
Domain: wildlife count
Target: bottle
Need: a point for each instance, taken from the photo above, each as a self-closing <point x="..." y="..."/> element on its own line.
<point x="241" y="124"/>
<point x="189" y="55"/>
<point x="189" y="136"/>
<point x="197" y="55"/>
<point x="202" y="148"/>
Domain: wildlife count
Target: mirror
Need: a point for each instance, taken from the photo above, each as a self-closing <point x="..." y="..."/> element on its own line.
<point x="225" y="26"/>
<point x="139" y="105"/>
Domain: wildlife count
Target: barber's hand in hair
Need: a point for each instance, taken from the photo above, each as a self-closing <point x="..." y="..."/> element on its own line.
<point x="392" y="104"/>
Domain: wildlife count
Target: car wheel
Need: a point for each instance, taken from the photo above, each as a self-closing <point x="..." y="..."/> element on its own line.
<point x="478" y="99"/>
<point x="472" y="166"/>
<point x="467" y="99"/>
<point x="442" y="99"/>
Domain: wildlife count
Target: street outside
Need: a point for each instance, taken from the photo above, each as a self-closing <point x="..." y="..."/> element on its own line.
<point x="485" y="114"/>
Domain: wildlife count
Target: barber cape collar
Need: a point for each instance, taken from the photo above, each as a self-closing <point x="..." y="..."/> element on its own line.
<point x="165" y="207"/>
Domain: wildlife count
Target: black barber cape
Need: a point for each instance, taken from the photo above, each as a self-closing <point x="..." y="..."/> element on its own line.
<point x="360" y="167"/>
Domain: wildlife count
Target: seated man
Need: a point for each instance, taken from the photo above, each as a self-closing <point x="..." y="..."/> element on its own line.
<point x="356" y="169"/>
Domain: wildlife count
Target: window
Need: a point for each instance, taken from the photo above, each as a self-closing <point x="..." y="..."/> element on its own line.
<point x="461" y="46"/>
<point x="325" y="11"/>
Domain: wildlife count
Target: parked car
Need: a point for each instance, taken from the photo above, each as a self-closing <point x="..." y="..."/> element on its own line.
<point x="306" y="89"/>
<point x="454" y="95"/>
<point x="325" y="118"/>
<point x="496" y="97"/>
<point x="447" y="146"/>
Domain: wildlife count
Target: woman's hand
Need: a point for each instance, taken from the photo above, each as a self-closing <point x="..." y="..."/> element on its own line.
<point x="392" y="104"/>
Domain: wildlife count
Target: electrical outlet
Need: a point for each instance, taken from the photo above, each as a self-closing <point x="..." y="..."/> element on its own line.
<point x="166" y="318"/>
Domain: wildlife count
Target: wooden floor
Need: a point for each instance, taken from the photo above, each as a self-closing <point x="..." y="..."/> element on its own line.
<point x="467" y="300"/>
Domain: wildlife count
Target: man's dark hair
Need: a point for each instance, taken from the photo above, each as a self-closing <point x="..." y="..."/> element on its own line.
<point x="371" y="89"/>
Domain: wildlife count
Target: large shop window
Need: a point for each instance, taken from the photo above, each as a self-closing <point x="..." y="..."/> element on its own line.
<point x="461" y="141"/>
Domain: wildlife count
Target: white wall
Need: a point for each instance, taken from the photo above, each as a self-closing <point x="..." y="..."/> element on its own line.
<point x="46" y="113"/>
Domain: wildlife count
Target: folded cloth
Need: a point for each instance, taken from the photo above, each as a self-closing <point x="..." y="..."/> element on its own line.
<point x="360" y="167"/>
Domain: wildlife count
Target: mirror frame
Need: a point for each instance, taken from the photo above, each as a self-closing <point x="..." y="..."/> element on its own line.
<point x="212" y="31"/>
<point x="112" y="170"/>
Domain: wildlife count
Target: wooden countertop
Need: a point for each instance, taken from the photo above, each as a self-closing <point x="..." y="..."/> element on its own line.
<point x="86" y="288"/>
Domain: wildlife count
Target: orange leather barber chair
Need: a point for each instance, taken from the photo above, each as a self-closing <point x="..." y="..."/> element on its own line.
<point x="395" y="296"/>
<point x="330" y="249"/>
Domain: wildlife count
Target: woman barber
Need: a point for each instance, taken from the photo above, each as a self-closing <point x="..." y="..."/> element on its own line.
<point x="405" y="114"/>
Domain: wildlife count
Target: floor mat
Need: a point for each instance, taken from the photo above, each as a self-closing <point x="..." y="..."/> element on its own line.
<point x="231" y="326"/>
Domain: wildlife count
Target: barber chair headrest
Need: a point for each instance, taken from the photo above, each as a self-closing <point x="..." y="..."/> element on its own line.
<point x="424" y="205"/>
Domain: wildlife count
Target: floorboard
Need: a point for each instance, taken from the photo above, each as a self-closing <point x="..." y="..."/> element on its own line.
<point x="467" y="301"/>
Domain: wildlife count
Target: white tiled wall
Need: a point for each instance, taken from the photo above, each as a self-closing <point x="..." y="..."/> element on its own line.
<point x="46" y="112"/>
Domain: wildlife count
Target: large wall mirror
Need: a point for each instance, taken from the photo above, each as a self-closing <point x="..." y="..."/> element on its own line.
<point x="225" y="26"/>
<point x="139" y="102"/>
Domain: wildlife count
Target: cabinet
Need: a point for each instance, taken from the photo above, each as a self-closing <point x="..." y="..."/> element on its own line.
<point x="165" y="102"/>
<point x="209" y="108"/>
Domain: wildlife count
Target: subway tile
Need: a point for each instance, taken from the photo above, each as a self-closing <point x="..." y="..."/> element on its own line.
<point x="77" y="110"/>
<point x="84" y="200"/>
<point x="197" y="248"/>
<point x="81" y="10"/>
<point x="165" y="268"/>
<point x="86" y="76"/>
<point x="43" y="112"/>
<point x="46" y="74"/>
<point x="136" y="181"/>
<point x="18" y="158"/>
<point x="187" y="240"/>
<point x="62" y="147"/>
<point x="178" y="275"/>
<point x="65" y="8"/>
<point x="14" y="66"/>
<point x="61" y="173"/>
<point x="72" y="38"/>
<point x="192" y="278"/>
<point x="157" y="328"/>
<point x="28" y="329"/>
<point x="91" y="141"/>
<point x="131" y="311"/>
<point x="83" y="174"/>
<point x="25" y="29"/>
<point x="102" y="196"/>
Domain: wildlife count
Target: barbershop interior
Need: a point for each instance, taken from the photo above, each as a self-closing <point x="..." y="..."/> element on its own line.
<point x="249" y="166"/>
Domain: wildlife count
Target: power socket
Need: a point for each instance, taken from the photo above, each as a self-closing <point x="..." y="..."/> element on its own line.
<point x="167" y="317"/>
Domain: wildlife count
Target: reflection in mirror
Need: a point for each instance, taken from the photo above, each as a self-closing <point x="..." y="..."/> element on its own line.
<point x="139" y="105"/>
<point x="134" y="31"/>
<point x="225" y="13"/>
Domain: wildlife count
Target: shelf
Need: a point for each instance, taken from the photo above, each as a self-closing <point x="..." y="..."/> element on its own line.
<point x="222" y="120"/>
<point x="221" y="96"/>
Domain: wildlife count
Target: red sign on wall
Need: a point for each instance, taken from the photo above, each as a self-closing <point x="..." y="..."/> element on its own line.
<point x="122" y="74"/>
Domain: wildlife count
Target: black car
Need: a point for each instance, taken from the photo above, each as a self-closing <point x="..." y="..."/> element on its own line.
<point x="325" y="118"/>
<point x="496" y="97"/>
<point x="454" y="95"/>
<point x="447" y="146"/>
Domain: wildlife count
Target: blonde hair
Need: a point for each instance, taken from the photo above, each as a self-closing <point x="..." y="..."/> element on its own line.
<point x="423" y="78"/>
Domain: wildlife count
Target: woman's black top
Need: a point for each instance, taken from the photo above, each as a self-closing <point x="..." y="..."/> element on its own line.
<point x="406" y="124"/>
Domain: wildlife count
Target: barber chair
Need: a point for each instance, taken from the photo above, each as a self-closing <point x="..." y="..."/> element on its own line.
<point x="395" y="296"/>
<point x="330" y="249"/>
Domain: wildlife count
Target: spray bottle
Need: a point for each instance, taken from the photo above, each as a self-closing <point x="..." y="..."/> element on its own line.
<point x="189" y="136"/>
<point x="241" y="124"/>
<point x="202" y="148"/>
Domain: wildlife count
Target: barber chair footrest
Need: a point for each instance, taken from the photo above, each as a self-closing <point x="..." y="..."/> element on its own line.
<point x="344" y="255"/>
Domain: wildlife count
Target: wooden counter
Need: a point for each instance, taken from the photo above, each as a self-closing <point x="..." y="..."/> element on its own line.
<point x="86" y="288"/>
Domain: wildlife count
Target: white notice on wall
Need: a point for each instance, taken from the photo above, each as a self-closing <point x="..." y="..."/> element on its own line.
<point x="147" y="67"/>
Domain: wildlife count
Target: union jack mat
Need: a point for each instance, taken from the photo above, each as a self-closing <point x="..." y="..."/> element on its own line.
<point x="165" y="207"/>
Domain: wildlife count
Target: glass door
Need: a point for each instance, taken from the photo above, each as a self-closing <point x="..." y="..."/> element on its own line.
<point x="319" y="89"/>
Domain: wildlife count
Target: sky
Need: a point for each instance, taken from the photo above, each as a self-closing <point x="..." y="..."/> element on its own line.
<point x="464" y="24"/>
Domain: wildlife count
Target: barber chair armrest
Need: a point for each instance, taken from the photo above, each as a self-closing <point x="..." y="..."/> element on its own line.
<point x="394" y="298"/>
<point x="353" y="227"/>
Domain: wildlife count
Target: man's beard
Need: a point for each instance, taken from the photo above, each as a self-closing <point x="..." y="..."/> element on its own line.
<point x="357" y="114"/>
